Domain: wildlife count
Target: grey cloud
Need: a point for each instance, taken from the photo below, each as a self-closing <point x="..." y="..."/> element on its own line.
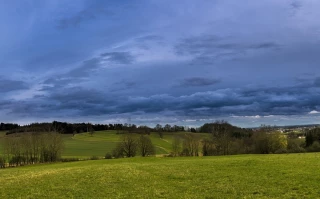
<point x="86" y="69"/>
<point x="195" y="45"/>
<point x="296" y="4"/>
<point x="265" y="45"/>
<point x="90" y="102"/>
<point x="208" y="49"/>
<point x="198" y="81"/>
<point x="316" y="82"/>
<point x="92" y="12"/>
<point x="123" y="85"/>
<point x="82" y="72"/>
<point x="118" y="57"/>
<point x="7" y="85"/>
<point x="149" y="38"/>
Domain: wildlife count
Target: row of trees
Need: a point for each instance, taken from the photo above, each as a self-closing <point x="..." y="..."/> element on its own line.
<point x="8" y="126"/>
<point x="71" y="128"/>
<point x="130" y="145"/>
<point x="31" y="148"/>
<point x="225" y="139"/>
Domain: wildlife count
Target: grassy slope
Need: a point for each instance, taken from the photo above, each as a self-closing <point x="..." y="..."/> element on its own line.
<point x="245" y="176"/>
<point x="85" y="145"/>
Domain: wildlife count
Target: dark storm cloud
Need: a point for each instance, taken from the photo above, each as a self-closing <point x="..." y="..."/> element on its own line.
<point x="7" y="85"/>
<point x="223" y="102"/>
<point x="198" y="81"/>
<point x="118" y="57"/>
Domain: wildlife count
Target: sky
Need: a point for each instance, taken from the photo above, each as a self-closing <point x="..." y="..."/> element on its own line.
<point x="146" y="62"/>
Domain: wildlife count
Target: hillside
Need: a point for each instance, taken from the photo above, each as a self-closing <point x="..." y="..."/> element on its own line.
<point x="84" y="145"/>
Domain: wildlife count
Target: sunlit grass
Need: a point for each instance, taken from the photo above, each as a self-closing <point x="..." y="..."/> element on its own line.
<point x="243" y="176"/>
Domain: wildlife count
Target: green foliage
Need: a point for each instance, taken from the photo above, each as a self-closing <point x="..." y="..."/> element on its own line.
<point x="315" y="147"/>
<point x="312" y="136"/>
<point x="108" y="156"/>
<point x="2" y="162"/>
<point x="281" y="151"/>
<point x="269" y="142"/>
<point x="69" y="159"/>
<point x="94" y="157"/>
<point x="296" y="145"/>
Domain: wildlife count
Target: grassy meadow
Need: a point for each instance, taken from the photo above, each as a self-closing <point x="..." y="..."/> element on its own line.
<point x="240" y="176"/>
<point x="101" y="142"/>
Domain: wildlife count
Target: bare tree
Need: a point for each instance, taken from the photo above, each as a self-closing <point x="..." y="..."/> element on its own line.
<point x="176" y="146"/>
<point x="190" y="144"/>
<point x="221" y="135"/>
<point x="128" y="145"/>
<point x="30" y="148"/>
<point x="145" y="145"/>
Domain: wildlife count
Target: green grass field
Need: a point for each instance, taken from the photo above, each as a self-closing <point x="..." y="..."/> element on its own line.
<point x="85" y="145"/>
<point x="243" y="176"/>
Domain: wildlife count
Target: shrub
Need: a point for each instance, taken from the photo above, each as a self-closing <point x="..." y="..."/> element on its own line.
<point x="2" y="162"/>
<point x="108" y="156"/>
<point x="296" y="146"/>
<point x="315" y="147"/>
<point x="94" y="157"/>
<point x="145" y="146"/>
<point x="69" y="159"/>
<point x="117" y="152"/>
<point x="281" y="150"/>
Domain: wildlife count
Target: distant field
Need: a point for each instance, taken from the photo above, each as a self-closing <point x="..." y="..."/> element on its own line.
<point x="84" y="145"/>
<point x="243" y="176"/>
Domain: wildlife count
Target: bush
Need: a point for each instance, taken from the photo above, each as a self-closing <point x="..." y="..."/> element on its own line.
<point x="297" y="150"/>
<point x="117" y="152"/>
<point x="94" y="157"/>
<point x="108" y="156"/>
<point x="315" y="147"/>
<point x="281" y="150"/>
<point x="69" y="159"/>
<point x="2" y="162"/>
<point x="296" y="146"/>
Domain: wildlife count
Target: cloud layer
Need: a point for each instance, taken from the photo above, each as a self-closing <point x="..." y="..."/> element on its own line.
<point x="161" y="62"/>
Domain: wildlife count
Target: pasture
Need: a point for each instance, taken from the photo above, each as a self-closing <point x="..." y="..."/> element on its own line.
<point x="240" y="176"/>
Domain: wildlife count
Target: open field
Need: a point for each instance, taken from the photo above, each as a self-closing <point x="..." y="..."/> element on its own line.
<point x="84" y="145"/>
<point x="243" y="176"/>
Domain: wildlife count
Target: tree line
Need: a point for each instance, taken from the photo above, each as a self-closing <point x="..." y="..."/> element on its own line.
<point x="221" y="138"/>
<point x="225" y="139"/>
<point x="132" y="144"/>
<point x="31" y="148"/>
<point x="72" y="128"/>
